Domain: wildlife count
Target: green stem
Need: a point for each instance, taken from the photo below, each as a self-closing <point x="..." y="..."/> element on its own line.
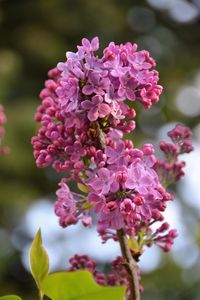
<point x="130" y="265"/>
<point x="41" y="295"/>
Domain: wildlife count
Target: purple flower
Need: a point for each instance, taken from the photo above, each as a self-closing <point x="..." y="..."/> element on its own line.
<point x="141" y="77"/>
<point x="127" y="207"/>
<point x="72" y="66"/>
<point x="96" y="108"/>
<point x="138" y="61"/>
<point x="65" y="206"/>
<point x="113" y="220"/>
<point x="102" y="184"/>
<point x="116" y="68"/>
<point x="99" y="202"/>
<point x="87" y="220"/>
<point x="180" y="133"/>
<point x="76" y="151"/>
<point x="115" y="107"/>
<point x="114" y="134"/>
<point x="114" y="154"/>
<point x="90" y="46"/>
<point x="141" y="178"/>
<point x="124" y="188"/>
<point x="96" y="84"/>
<point x="68" y="94"/>
<point x="150" y="94"/>
<point x="127" y="88"/>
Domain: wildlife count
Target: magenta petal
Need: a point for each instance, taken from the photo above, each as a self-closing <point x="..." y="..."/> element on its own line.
<point x="71" y="106"/>
<point x="70" y="122"/>
<point x="85" y="42"/>
<point x="115" y="73"/>
<point x="114" y="187"/>
<point x="146" y="211"/>
<point x="93" y="198"/>
<point x="105" y="173"/>
<point x="120" y="147"/>
<point x="142" y="190"/>
<point x="94" y="78"/>
<point x="93" y="114"/>
<point x="95" y="43"/>
<point x="104" y="110"/>
<point x="88" y="89"/>
<point x="130" y="184"/>
<point x="59" y="91"/>
<point x="96" y="184"/>
<point x="121" y="91"/>
<point x="135" y="172"/>
<point x="97" y="99"/>
<point x="87" y="104"/>
<point x="87" y="220"/>
<point x="109" y="151"/>
<point x="130" y="94"/>
<point x="62" y="66"/>
<point x="146" y="180"/>
<point x="106" y="189"/>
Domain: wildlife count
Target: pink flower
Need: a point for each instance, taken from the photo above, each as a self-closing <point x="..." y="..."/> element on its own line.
<point x="96" y="84"/>
<point x="96" y="108"/>
<point x="87" y="220"/>
<point x="102" y="184"/>
<point x="65" y="206"/>
<point x="127" y="207"/>
<point x="99" y="202"/>
<point x="138" y="61"/>
<point x="90" y="46"/>
<point x="140" y="178"/>
<point x="127" y="88"/>
<point x="114" y="154"/>
<point x="84" y="114"/>
<point x="68" y="94"/>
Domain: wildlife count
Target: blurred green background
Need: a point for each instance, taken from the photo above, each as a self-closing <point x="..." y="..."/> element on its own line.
<point x="34" y="36"/>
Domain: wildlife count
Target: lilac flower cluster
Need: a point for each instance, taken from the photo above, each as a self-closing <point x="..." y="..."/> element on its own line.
<point x="3" y="150"/>
<point x="170" y="169"/>
<point x="85" y="98"/>
<point x="117" y="278"/>
<point x="84" y="114"/>
<point x="124" y="191"/>
<point x="71" y="207"/>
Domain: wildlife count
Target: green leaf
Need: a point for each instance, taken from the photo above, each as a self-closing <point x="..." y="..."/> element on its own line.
<point x="83" y="188"/>
<point x="133" y="245"/>
<point x="10" y="297"/>
<point x="78" y="285"/>
<point x="39" y="260"/>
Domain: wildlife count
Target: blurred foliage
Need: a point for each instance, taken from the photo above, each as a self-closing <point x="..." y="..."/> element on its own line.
<point x="35" y="34"/>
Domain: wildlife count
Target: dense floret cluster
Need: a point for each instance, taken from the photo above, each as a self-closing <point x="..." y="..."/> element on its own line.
<point x="84" y="114"/>
<point x="170" y="169"/>
<point x="85" y="99"/>
<point x="116" y="278"/>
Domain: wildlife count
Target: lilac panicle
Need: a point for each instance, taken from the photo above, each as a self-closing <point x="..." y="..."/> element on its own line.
<point x="84" y="114"/>
<point x="87" y="89"/>
<point x="116" y="278"/>
<point x="170" y="169"/>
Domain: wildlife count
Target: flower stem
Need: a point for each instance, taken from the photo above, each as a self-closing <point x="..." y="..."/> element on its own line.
<point x="130" y="265"/>
<point x="41" y="295"/>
